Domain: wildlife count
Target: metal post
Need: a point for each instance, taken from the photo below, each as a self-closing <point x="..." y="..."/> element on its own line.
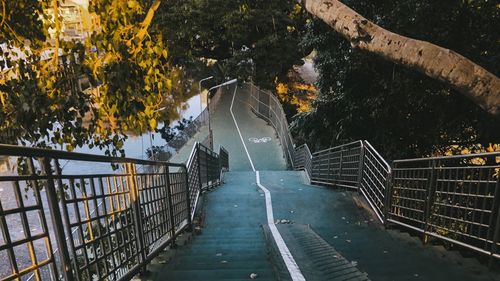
<point x="188" y="201"/>
<point x="340" y="163"/>
<point x="207" y="168"/>
<point x="328" y="168"/>
<point x="428" y="199"/>
<point x="171" y="206"/>
<point x="361" y="166"/>
<point x="388" y="196"/>
<point x="209" y="125"/>
<point x="138" y="214"/>
<point x="197" y="150"/>
<point x="57" y="222"/>
<point x="495" y="224"/>
<point x="58" y="172"/>
<point x="199" y="89"/>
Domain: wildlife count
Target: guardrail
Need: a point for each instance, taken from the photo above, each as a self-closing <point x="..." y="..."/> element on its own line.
<point x="375" y="180"/>
<point x="72" y="224"/>
<point x="183" y="136"/>
<point x="267" y="106"/>
<point x="455" y="198"/>
<point x="338" y="165"/>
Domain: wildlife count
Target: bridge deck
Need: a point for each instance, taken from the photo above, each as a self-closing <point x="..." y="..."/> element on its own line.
<point x="233" y="244"/>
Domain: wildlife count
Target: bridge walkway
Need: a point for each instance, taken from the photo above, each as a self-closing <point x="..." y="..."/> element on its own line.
<point x="326" y="233"/>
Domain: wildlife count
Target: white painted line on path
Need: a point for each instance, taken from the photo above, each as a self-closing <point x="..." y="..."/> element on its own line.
<point x="290" y="263"/>
<point x="238" y="128"/>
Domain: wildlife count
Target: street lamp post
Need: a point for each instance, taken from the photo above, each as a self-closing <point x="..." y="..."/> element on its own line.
<point x="199" y="88"/>
<point x="210" y="136"/>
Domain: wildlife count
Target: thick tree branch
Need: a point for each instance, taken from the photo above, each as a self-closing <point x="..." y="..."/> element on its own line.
<point x="146" y="22"/>
<point x="445" y="65"/>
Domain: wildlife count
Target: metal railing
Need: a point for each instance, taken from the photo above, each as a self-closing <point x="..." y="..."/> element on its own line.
<point x="182" y="137"/>
<point x="108" y="224"/>
<point x="375" y="180"/>
<point x="303" y="159"/>
<point x="454" y="198"/>
<point x="338" y="165"/>
<point x="267" y="106"/>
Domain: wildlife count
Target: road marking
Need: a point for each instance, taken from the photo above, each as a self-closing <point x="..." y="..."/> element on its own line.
<point x="290" y="263"/>
<point x="261" y="140"/>
<point x="238" y="128"/>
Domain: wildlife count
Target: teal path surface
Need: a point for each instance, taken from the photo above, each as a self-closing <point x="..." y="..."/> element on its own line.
<point x="265" y="155"/>
<point x="231" y="245"/>
<point x="329" y="236"/>
<point x="383" y="254"/>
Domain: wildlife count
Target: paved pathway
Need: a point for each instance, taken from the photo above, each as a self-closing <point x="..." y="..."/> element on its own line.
<point x="321" y="234"/>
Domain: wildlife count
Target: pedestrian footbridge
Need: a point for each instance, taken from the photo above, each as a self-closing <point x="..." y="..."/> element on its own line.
<point x="255" y="207"/>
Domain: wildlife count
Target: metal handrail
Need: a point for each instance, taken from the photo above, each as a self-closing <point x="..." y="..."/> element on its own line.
<point x="275" y="115"/>
<point x="453" y="198"/>
<point x="15" y="150"/>
<point x="384" y="163"/>
<point x="336" y="147"/>
<point x="374" y="181"/>
<point x="108" y="224"/>
<point x="449" y="157"/>
<point x="413" y="193"/>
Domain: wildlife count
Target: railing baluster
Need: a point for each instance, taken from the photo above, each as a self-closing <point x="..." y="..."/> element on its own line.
<point x="131" y="182"/>
<point x="388" y="196"/>
<point x="361" y="166"/>
<point x="188" y="199"/>
<point x="428" y="199"/>
<point x="171" y="206"/>
<point x="207" y="168"/>
<point x="60" y="184"/>
<point x="197" y="151"/>
<point x="494" y="226"/>
<point x="57" y="222"/>
<point x="139" y="215"/>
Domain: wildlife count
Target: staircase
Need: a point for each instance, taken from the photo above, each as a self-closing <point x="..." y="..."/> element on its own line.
<point x="231" y="245"/>
<point x="220" y="255"/>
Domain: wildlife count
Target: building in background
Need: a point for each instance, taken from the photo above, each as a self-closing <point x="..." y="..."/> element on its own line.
<point x="77" y="22"/>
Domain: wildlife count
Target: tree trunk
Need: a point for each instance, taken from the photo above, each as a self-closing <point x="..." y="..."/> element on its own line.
<point x="470" y="79"/>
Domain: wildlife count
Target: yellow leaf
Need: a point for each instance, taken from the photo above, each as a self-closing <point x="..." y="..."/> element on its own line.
<point x="152" y="123"/>
<point x="131" y="4"/>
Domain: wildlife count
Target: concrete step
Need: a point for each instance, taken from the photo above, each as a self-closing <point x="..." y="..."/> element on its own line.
<point x="200" y="250"/>
<point x="224" y="263"/>
<point x="196" y="257"/>
<point x="219" y="274"/>
<point x="317" y="259"/>
<point x="228" y="240"/>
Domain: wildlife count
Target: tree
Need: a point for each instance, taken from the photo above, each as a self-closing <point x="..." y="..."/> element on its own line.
<point x="403" y="113"/>
<point x="125" y="60"/>
<point x="436" y="62"/>
<point x="242" y="38"/>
